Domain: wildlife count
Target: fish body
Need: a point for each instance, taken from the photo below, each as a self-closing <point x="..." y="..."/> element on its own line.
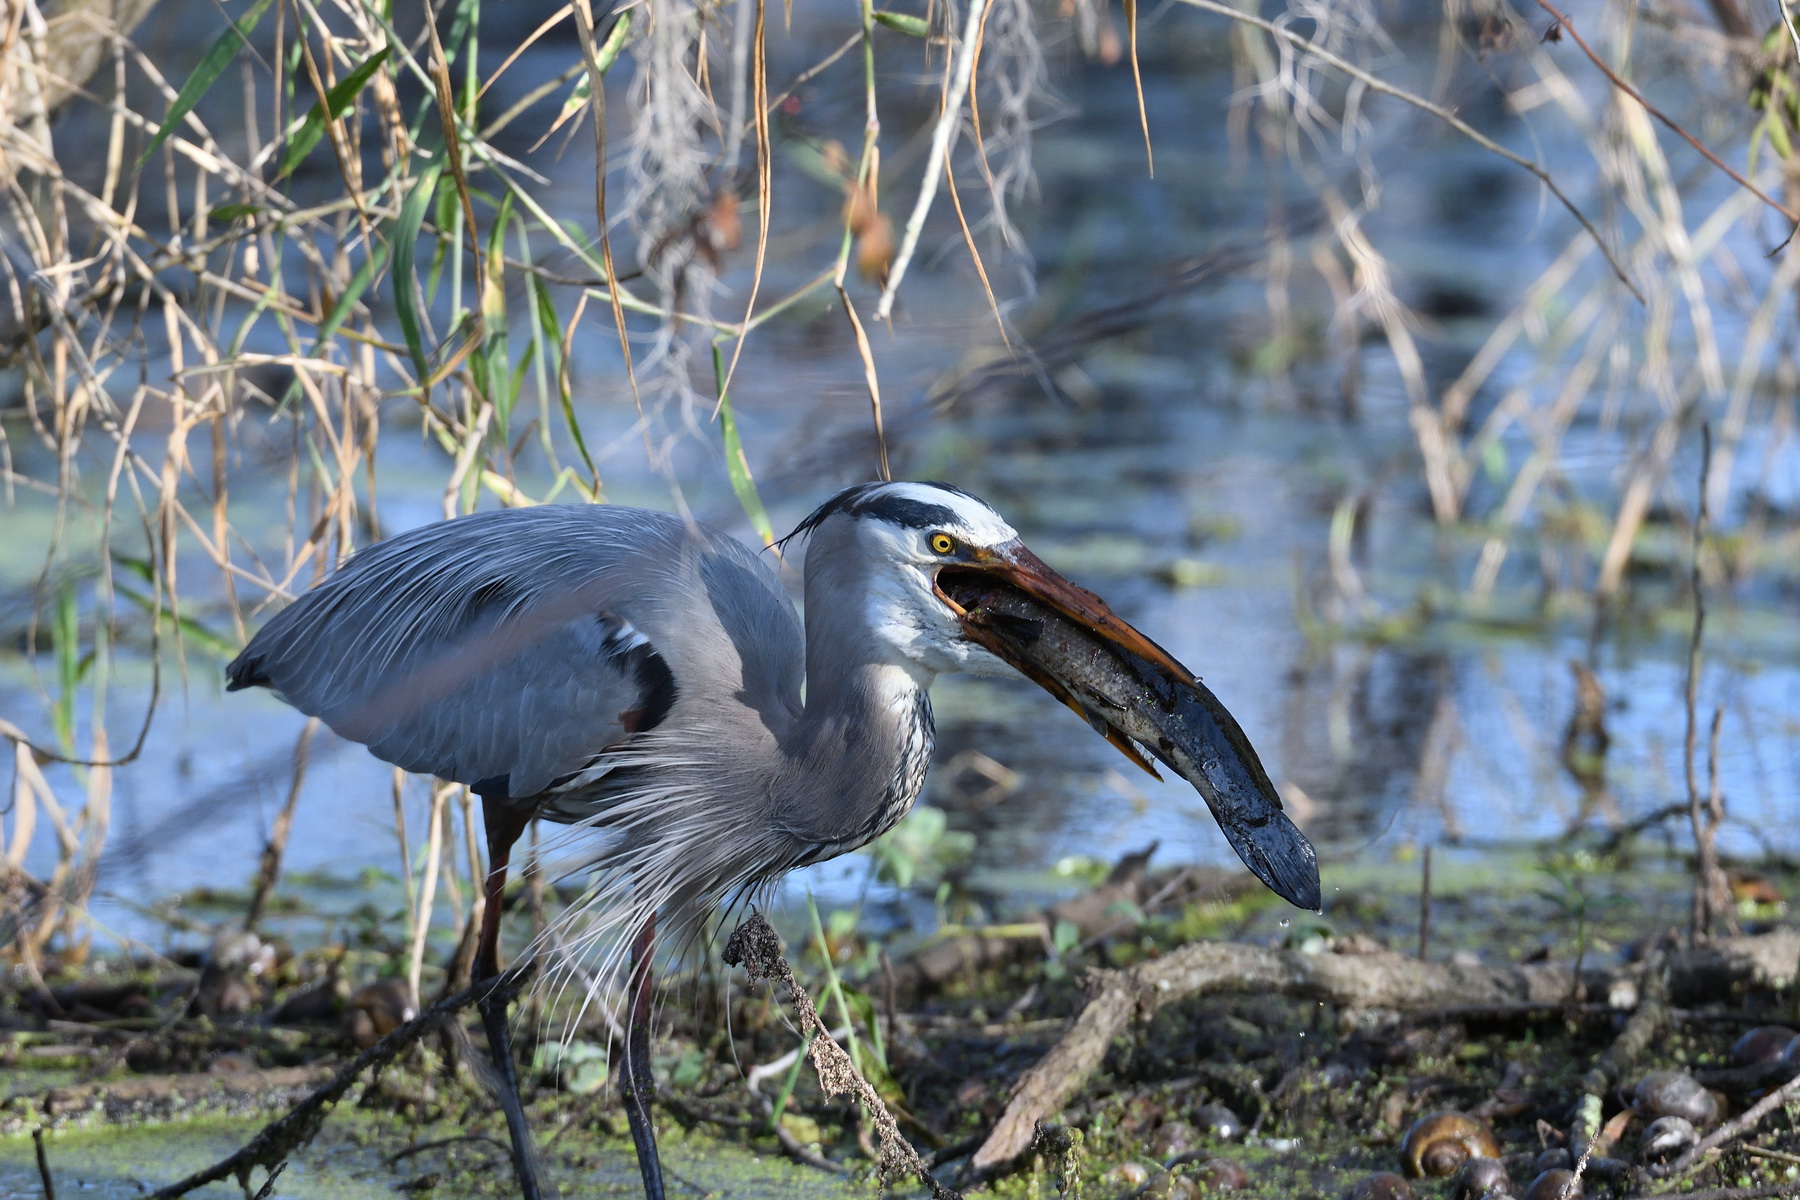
<point x="1134" y="702"/>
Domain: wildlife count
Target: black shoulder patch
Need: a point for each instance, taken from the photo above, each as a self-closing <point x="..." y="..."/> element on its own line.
<point x="656" y="684"/>
<point x="657" y="692"/>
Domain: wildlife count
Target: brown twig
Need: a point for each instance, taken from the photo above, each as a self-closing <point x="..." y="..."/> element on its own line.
<point x="1708" y="881"/>
<point x="961" y="69"/>
<point x="1644" y="1027"/>
<point x="268" y="1187"/>
<point x="268" y="870"/>
<point x="270" y="1148"/>
<point x="1723" y="906"/>
<point x="1777" y="1155"/>
<point x="1377" y="84"/>
<point x="756" y="947"/>
<point x="1650" y="108"/>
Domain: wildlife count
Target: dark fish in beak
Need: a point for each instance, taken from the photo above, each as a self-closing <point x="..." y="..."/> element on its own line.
<point x="1134" y="694"/>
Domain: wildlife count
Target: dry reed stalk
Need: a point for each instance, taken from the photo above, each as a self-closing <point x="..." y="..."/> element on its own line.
<point x="960" y="70"/>
<point x="1711" y="895"/>
<point x="428" y="883"/>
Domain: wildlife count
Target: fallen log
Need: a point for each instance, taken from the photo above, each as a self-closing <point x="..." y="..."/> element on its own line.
<point x="1380" y="979"/>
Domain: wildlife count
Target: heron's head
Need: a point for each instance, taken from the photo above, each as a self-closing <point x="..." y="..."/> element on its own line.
<point x="903" y="551"/>
<point x="928" y="578"/>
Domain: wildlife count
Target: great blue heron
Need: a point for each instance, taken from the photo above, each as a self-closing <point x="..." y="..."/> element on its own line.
<point x="641" y="673"/>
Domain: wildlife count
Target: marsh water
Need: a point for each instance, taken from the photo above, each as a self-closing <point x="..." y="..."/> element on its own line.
<point x="1188" y="466"/>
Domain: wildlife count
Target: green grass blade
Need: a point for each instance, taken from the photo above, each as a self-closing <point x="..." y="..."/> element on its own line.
<point x="551" y="326"/>
<point x="359" y="283"/>
<point x="736" y="465"/>
<point x="496" y="354"/>
<point x="905" y="23"/>
<point x="337" y="100"/>
<point x="406" y="284"/>
<point x="67" y="632"/>
<point x="192" y="631"/>
<point x="517" y="384"/>
<point x="218" y="56"/>
<point x="604" y="58"/>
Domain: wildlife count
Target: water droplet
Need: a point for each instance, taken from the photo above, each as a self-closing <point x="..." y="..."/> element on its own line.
<point x="1285" y="922"/>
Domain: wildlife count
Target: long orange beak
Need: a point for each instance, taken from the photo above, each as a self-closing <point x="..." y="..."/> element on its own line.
<point x="1005" y="634"/>
<point x="1136" y="695"/>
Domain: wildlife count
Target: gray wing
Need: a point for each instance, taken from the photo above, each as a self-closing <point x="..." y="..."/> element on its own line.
<point x="510" y="650"/>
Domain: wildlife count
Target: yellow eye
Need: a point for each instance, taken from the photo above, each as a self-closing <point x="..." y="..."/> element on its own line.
<point x="942" y="543"/>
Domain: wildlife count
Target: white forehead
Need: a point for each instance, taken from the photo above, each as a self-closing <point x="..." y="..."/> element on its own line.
<point x="981" y="524"/>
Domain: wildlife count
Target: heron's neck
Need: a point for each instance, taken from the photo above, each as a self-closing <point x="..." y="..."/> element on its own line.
<point x="859" y="758"/>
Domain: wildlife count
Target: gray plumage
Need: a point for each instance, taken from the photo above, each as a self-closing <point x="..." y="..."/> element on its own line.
<point x="625" y="669"/>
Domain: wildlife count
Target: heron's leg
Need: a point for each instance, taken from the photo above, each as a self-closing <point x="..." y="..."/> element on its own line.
<point x="504" y="825"/>
<point x="637" y="1087"/>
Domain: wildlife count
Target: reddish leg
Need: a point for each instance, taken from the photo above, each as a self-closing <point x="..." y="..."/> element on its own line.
<point x="637" y="1087"/>
<point x="504" y="824"/>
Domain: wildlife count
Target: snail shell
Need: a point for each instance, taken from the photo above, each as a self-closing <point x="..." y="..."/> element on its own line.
<point x="1555" y="1158"/>
<point x="1764" y="1044"/>
<point x="1550" y="1185"/>
<point x="1666" y="1137"/>
<point x="1675" y="1094"/>
<point x="1481" y="1177"/>
<point x="1173" y="1138"/>
<point x="1440" y="1142"/>
<point x="1218" y="1121"/>
<point x="1164" y="1186"/>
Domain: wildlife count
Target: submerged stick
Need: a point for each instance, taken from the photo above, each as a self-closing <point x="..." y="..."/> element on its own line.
<point x="43" y="1163"/>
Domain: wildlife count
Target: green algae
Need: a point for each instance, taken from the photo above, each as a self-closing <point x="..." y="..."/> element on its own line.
<point x="360" y="1155"/>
